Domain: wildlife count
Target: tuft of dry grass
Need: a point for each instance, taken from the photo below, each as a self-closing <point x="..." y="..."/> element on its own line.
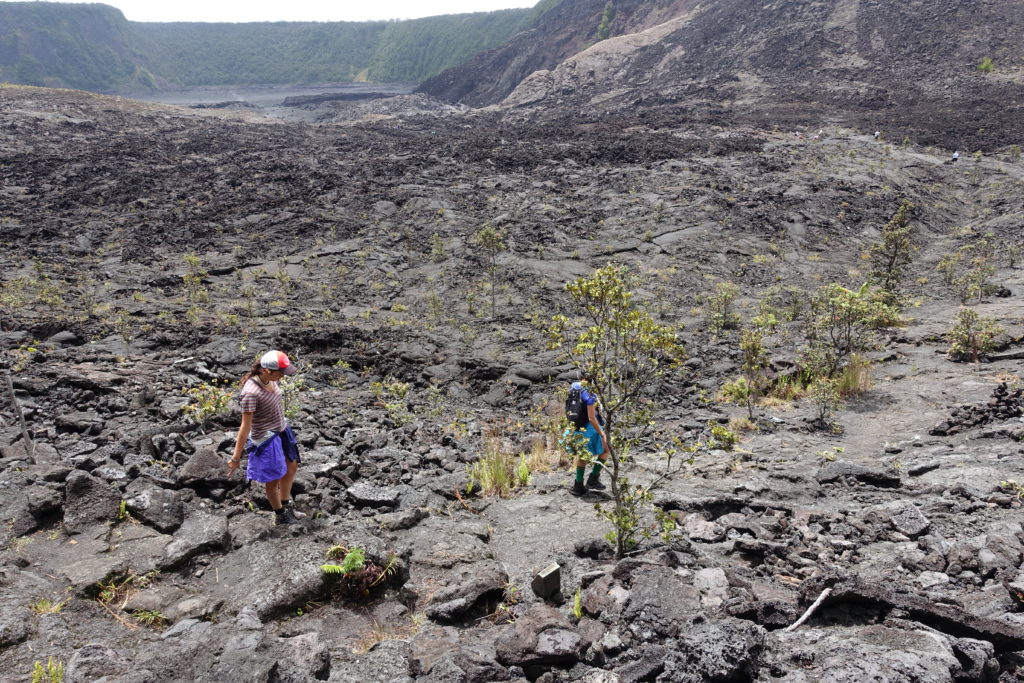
<point x="855" y="379"/>
<point x="742" y="424"/>
<point x="378" y="633"/>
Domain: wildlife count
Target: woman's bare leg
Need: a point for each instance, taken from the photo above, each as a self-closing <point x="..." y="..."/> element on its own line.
<point x="286" y="481"/>
<point x="274" y="493"/>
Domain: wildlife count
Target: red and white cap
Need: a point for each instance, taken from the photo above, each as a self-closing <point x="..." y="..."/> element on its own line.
<point x="277" y="360"/>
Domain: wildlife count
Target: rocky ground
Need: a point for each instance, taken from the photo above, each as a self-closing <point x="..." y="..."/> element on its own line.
<point x="149" y="250"/>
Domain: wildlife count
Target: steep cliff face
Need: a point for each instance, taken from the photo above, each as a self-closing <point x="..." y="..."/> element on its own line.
<point x="911" y="64"/>
<point x="558" y="34"/>
<point x="85" y="46"/>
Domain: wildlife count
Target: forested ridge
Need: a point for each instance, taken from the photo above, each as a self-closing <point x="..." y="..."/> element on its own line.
<point x="93" y="47"/>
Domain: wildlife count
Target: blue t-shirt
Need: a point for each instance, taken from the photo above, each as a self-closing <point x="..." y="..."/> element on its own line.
<point x="590" y="399"/>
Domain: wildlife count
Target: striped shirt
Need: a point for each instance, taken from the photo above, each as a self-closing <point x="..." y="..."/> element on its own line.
<point x="266" y="407"/>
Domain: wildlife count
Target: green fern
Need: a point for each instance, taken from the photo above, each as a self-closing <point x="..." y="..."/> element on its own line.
<point x="52" y="672"/>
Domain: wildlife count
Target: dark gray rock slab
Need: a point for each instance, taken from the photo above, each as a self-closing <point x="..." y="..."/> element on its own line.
<point x="901" y="515"/>
<point x="93" y="661"/>
<point x="541" y="636"/>
<point x="201" y="532"/>
<point x="364" y="494"/>
<point x="459" y="598"/>
<point x="857" y="654"/>
<point x="661" y="604"/>
<point x="206" y="467"/>
<point x="403" y="519"/>
<point x="720" y="650"/>
<point x="386" y="661"/>
<point x="154" y="505"/>
<point x="849" y="473"/>
<point x="88" y="501"/>
<point x="15" y="624"/>
<point x="268" y="576"/>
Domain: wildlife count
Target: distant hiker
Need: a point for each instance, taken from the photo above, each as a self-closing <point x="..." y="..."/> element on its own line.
<point x="582" y="411"/>
<point x="265" y="437"/>
<point x="956" y="155"/>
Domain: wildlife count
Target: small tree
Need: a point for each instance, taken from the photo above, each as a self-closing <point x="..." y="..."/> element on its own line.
<point x="720" y="312"/>
<point x="891" y="257"/>
<point x="824" y="391"/>
<point x="755" y="362"/>
<point x="972" y="335"/>
<point x="968" y="270"/>
<point x="987" y="65"/>
<point x="493" y="243"/>
<point x="624" y="353"/>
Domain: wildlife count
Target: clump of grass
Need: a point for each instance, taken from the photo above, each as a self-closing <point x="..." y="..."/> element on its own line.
<point x="151" y="618"/>
<point x="47" y="606"/>
<point x="498" y="471"/>
<point x="855" y="378"/>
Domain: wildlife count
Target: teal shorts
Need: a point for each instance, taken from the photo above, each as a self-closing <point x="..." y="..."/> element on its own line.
<point x="591" y="438"/>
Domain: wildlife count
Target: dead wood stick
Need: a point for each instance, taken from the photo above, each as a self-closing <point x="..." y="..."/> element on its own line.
<point x="810" y="610"/>
<point x="458" y="496"/>
<point x="30" y="448"/>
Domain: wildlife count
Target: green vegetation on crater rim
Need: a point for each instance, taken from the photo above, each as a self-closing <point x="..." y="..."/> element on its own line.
<point x="95" y="48"/>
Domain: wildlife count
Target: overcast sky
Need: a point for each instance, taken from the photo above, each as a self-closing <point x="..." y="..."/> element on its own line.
<point x="300" y="10"/>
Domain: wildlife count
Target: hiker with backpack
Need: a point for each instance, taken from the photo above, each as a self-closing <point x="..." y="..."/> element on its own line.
<point x="586" y="425"/>
<point x="265" y="437"/>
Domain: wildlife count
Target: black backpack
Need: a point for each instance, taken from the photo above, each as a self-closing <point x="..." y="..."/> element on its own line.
<point x="576" y="409"/>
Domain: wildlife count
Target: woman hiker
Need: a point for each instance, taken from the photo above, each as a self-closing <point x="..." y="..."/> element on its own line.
<point x="581" y="409"/>
<point x="265" y="437"/>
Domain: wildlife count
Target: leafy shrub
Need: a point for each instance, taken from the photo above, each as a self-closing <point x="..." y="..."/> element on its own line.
<point x="291" y="388"/>
<point x="206" y="402"/>
<point x="737" y="391"/>
<point x="972" y="335"/>
<point x="393" y="395"/>
<point x="987" y="65"/>
<point x="842" y="323"/>
<point x="723" y="437"/>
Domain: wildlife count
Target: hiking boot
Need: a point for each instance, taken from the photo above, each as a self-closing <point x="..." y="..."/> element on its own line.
<point x="290" y="504"/>
<point x="578" y="488"/>
<point x="284" y="516"/>
<point x="594" y="483"/>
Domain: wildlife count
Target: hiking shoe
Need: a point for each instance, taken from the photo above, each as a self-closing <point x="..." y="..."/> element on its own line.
<point x="284" y="516"/>
<point x="290" y="504"/>
<point x="578" y="488"/>
<point x="595" y="483"/>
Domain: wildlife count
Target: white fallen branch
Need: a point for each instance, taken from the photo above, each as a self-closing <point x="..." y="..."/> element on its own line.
<point x="810" y="610"/>
<point x="30" y="448"/>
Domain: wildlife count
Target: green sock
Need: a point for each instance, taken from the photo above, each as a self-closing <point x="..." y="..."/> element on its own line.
<point x="597" y="469"/>
<point x="579" y="473"/>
